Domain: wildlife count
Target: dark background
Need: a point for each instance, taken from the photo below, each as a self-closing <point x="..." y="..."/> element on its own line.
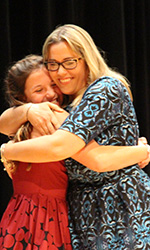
<point x="120" y="27"/>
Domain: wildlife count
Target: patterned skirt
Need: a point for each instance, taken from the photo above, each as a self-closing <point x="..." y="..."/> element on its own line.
<point x="35" y="221"/>
<point x="109" y="211"/>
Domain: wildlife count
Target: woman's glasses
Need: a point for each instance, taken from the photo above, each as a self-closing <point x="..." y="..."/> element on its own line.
<point x="67" y="64"/>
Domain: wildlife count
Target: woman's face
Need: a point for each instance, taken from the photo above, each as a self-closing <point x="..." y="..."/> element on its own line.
<point x="40" y="88"/>
<point x="69" y="81"/>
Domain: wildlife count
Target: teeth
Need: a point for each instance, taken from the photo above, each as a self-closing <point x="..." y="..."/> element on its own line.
<point x="65" y="80"/>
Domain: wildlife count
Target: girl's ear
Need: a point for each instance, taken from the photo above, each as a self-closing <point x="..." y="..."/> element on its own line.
<point x="24" y="99"/>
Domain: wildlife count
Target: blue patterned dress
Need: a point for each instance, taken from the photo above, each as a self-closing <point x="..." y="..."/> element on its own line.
<point x="111" y="210"/>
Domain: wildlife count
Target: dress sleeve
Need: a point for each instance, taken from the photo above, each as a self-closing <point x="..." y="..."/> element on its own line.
<point x="103" y="105"/>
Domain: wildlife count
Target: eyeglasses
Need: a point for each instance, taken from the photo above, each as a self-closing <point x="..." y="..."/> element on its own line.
<point x="67" y="64"/>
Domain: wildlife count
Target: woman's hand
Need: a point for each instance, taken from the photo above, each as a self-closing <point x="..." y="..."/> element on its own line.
<point x="143" y="141"/>
<point x="42" y="117"/>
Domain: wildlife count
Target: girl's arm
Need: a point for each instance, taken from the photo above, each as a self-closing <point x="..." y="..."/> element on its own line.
<point x="40" y="116"/>
<point x="14" y="118"/>
<point x="63" y="144"/>
<point x="92" y="154"/>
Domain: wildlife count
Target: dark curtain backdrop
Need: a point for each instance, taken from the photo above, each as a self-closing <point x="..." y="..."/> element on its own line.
<point x="120" y="27"/>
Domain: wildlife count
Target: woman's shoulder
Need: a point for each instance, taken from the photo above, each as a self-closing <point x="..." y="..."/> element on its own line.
<point x="103" y="83"/>
<point x="106" y="80"/>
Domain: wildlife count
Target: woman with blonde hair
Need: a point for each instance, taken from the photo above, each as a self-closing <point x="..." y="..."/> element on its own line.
<point x="82" y="44"/>
<point x="109" y="209"/>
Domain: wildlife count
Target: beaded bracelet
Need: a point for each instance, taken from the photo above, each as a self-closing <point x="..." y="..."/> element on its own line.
<point x="7" y="163"/>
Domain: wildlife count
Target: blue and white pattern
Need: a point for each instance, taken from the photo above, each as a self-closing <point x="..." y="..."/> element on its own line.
<point x="111" y="210"/>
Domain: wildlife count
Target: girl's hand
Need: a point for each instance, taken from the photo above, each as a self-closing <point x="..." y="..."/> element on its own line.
<point x="42" y="117"/>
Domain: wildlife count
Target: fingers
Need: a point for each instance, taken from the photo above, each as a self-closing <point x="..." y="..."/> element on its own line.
<point x="43" y="127"/>
<point x="54" y="107"/>
<point x="50" y="128"/>
<point x="52" y="122"/>
<point x="143" y="164"/>
<point x="142" y="140"/>
<point x="46" y="126"/>
<point x="43" y="118"/>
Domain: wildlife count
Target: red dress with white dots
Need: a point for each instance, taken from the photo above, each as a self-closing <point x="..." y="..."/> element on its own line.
<point x="37" y="215"/>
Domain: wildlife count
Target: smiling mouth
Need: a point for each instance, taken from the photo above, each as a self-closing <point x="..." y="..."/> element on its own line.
<point x="63" y="81"/>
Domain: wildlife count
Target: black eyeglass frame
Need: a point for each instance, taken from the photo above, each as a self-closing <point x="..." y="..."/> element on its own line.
<point x="61" y="63"/>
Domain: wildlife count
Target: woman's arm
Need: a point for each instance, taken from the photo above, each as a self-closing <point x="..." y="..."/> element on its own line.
<point x="93" y="155"/>
<point x="63" y="144"/>
<point x="110" y="158"/>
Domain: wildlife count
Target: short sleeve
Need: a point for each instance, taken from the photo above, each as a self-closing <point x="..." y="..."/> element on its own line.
<point x="103" y="105"/>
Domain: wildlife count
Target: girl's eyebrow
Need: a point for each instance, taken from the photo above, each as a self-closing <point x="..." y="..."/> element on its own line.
<point x="36" y="86"/>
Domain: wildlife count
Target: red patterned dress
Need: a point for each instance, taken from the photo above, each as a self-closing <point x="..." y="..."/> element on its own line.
<point x="37" y="215"/>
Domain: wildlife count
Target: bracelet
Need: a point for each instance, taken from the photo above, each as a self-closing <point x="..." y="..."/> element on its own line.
<point x="7" y="163"/>
<point x="27" y="112"/>
<point x="2" y="152"/>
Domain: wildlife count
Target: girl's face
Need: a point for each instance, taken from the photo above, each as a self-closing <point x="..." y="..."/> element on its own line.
<point x="70" y="81"/>
<point x="40" y="88"/>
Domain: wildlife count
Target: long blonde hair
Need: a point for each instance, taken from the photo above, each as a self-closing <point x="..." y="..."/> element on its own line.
<point x="83" y="45"/>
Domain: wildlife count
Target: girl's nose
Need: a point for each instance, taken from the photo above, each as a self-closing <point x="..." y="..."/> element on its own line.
<point x="50" y="94"/>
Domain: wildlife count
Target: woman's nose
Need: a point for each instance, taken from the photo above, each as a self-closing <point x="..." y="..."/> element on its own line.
<point x="61" y="70"/>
